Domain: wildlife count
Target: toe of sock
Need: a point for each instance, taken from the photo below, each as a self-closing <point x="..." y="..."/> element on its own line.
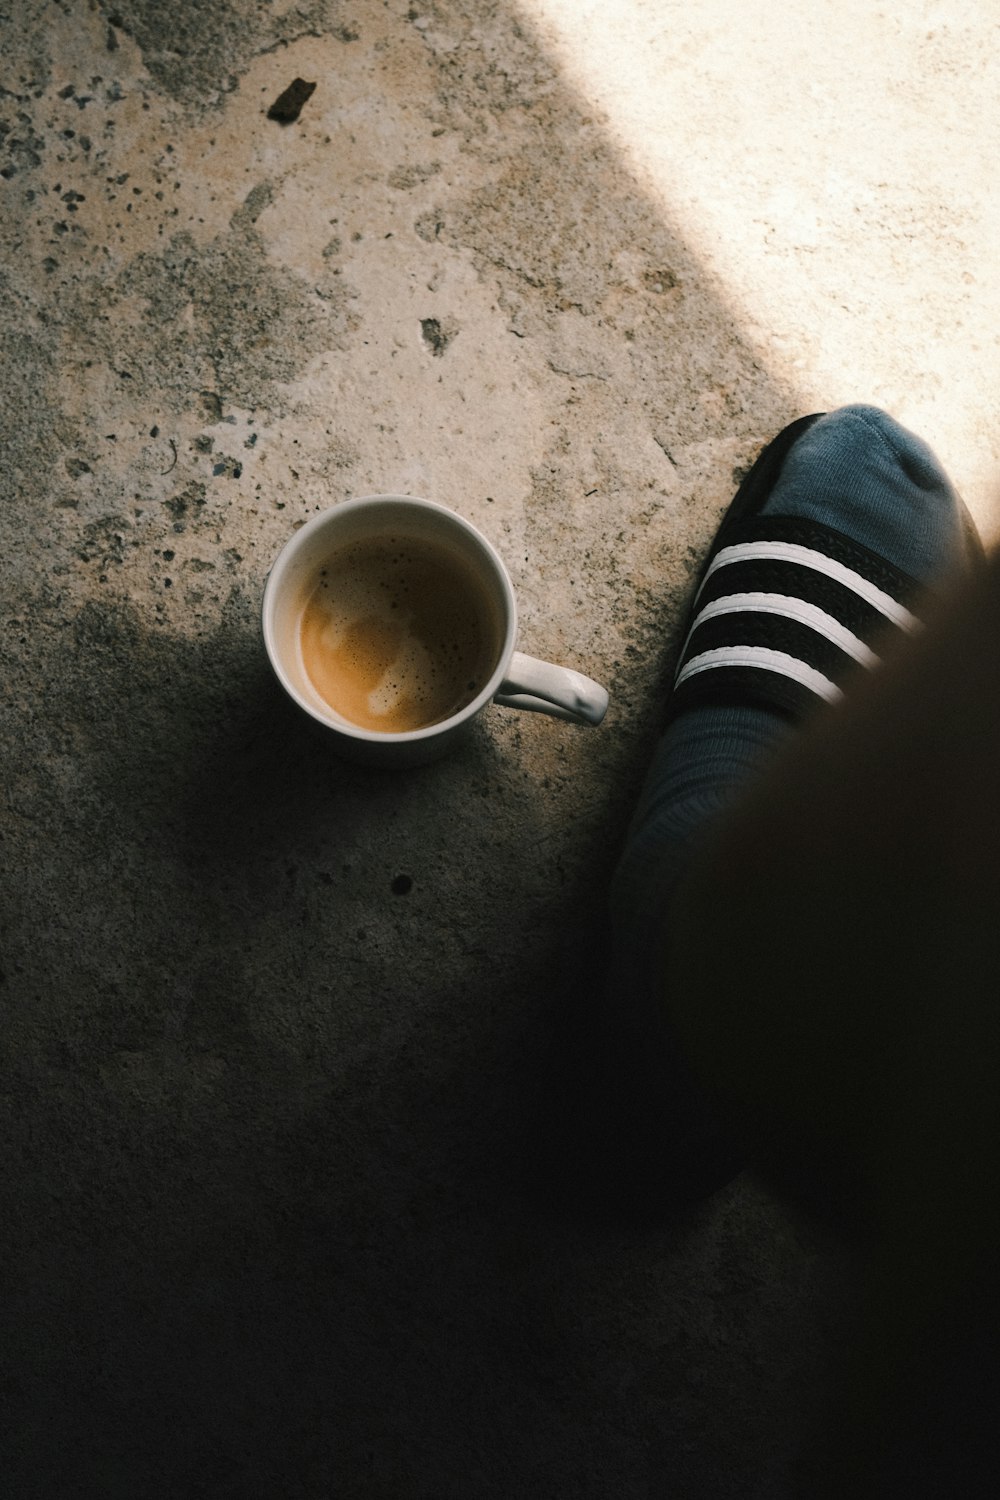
<point x="860" y="471"/>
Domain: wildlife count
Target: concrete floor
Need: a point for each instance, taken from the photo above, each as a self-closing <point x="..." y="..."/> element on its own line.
<point x="289" y="1204"/>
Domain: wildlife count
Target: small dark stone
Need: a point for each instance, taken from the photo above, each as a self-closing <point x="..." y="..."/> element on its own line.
<point x="436" y="338"/>
<point x="288" y="105"/>
<point x="402" y="885"/>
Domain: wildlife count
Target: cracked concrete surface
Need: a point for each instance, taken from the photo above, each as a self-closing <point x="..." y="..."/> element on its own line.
<point x="282" y="1212"/>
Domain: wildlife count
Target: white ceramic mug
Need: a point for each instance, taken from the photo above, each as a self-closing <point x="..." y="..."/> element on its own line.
<point x="510" y="678"/>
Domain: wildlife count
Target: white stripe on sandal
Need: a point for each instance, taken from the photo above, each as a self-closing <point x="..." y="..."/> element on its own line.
<point x="788" y="608"/>
<point x="770" y="661"/>
<point x="807" y="557"/>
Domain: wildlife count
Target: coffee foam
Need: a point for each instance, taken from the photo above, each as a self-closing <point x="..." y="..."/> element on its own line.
<point x="396" y="634"/>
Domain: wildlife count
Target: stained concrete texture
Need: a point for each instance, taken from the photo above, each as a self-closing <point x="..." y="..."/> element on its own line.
<point x="291" y="1206"/>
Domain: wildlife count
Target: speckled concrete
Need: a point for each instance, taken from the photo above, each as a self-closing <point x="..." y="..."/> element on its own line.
<point x="289" y="1205"/>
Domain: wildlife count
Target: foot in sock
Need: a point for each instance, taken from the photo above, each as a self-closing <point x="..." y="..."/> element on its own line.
<point x="841" y="525"/>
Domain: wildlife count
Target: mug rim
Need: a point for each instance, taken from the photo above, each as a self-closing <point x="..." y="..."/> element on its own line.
<point x="341" y="725"/>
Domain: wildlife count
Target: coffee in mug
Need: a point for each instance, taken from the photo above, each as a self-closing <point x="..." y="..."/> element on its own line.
<point x="396" y="635"/>
<point x="392" y="622"/>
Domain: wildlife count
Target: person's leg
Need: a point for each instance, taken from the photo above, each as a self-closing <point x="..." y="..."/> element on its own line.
<point x="786" y="611"/>
<point x="826" y="961"/>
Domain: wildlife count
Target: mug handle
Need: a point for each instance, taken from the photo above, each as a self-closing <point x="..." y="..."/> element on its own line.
<point x="544" y="688"/>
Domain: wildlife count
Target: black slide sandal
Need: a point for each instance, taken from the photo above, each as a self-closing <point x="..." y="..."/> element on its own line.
<point x="786" y="607"/>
